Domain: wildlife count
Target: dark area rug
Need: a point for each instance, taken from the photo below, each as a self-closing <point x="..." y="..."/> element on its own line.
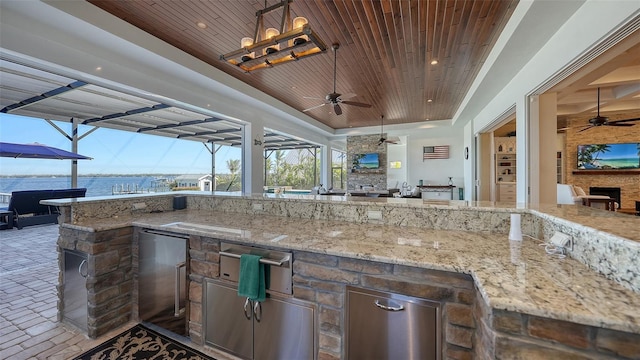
<point x="140" y="343"/>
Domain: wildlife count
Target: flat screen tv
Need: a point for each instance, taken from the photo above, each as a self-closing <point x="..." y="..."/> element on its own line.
<point x="366" y="161"/>
<point x="624" y="156"/>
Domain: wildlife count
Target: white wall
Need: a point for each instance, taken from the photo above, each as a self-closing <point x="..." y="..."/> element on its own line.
<point x="395" y="177"/>
<point x="592" y="22"/>
<point x="436" y="171"/>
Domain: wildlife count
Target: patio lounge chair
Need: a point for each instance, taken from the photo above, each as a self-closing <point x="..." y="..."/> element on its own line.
<point x="27" y="210"/>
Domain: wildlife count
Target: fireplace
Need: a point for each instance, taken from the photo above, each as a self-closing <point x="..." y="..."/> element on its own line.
<point x="612" y="192"/>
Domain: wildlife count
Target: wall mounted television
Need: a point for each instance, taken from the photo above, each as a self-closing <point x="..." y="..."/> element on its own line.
<point x="366" y="161"/>
<point x="625" y="156"/>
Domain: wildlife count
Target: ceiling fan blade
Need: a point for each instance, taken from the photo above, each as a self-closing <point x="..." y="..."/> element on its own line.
<point x="347" y="96"/>
<point x="314" y="107"/>
<point x="356" y="104"/>
<point x="587" y="128"/>
<point x="395" y="140"/>
<point x="622" y="121"/>
<point x="618" y="124"/>
<point x="337" y="109"/>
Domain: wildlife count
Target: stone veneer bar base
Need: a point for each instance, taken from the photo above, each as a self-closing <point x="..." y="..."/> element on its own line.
<point x="109" y="276"/>
<point x="509" y="335"/>
<point x="321" y="279"/>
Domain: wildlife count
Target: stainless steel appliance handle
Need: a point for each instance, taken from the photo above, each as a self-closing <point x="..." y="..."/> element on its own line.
<point x="247" y="309"/>
<point x="165" y="233"/>
<point x="84" y="262"/>
<point x="257" y="311"/>
<point x="397" y="307"/>
<point x="263" y="261"/>
<point x="177" y="311"/>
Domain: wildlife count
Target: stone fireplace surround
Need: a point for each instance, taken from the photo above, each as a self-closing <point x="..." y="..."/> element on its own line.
<point x="470" y="328"/>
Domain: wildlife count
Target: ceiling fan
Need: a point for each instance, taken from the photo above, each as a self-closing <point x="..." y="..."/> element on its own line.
<point x="604" y="121"/>
<point x="390" y="140"/>
<point x="335" y="98"/>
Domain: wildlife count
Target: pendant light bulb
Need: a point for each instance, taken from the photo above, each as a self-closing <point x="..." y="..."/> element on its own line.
<point x="244" y="42"/>
<point x="270" y="33"/>
<point x="298" y="23"/>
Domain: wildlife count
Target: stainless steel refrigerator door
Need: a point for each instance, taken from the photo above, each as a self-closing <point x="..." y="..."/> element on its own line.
<point x="75" y="288"/>
<point x="389" y="326"/>
<point x="229" y="323"/>
<point x="283" y="330"/>
<point x="162" y="284"/>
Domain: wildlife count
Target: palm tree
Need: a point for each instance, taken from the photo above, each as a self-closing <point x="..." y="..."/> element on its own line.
<point x="600" y="148"/>
<point x="588" y="155"/>
<point x="278" y="166"/>
<point x="234" y="166"/>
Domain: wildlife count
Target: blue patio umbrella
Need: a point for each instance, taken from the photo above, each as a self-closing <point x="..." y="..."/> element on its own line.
<point x="37" y="151"/>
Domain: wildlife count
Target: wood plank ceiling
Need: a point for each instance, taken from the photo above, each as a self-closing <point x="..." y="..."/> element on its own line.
<point x="385" y="56"/>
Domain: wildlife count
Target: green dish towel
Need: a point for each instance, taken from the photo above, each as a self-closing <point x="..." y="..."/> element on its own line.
<point x="251" y="282"/>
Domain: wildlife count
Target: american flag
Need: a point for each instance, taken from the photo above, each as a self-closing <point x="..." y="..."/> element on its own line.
<point x="435" y="152"/>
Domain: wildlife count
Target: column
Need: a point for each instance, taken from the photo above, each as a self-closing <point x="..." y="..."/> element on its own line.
<point x="253" y="157"/>
<point x="542" y="149"/>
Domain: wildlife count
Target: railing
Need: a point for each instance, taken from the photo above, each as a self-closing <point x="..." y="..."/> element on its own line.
<point x="5" y="198"/>
<point x="128" y="189"/>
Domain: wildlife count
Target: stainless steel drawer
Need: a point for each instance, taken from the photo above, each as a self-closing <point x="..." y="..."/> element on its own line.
<point x="382" y="325"/>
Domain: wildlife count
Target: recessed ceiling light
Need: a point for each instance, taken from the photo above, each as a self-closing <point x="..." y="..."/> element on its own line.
<point x="98" y="68"/>
<point x="434" y="62"/>
<point x="427" y="119"/>
<point x="201" y="25"/>
<point x="429" y="100"/>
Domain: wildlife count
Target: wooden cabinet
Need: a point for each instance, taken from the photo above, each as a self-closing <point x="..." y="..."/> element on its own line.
<point x="506" y="192"/>
<point x="505" y="167"/>
<point x="505" y="159"/>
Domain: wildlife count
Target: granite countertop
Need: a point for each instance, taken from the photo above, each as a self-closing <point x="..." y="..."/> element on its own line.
<point x="624" y="226"/>
<point x="514" y="276"/>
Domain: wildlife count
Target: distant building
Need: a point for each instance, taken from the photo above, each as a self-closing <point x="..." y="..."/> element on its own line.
<point x="202" y="182"/>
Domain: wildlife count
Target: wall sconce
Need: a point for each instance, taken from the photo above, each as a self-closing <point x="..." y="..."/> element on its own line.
<point x="293" y="41"/>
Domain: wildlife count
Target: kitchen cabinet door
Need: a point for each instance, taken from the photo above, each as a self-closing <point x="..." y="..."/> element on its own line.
<point x="284" y="329"/>
<point x="75" y="288"/>
<point x="162" y="279"/>
<point x="227" y="326"/>
<point x="388" y="326"/>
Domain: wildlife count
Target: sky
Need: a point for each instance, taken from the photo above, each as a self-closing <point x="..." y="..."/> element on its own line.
<point x="113" y="151"/>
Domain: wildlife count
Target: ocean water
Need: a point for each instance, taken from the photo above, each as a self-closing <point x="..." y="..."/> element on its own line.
<point x="624" y="163"/>
<point x="96" y="185"/>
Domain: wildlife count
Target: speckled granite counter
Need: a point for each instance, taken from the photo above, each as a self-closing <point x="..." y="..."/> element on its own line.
<point x="606" y="242"/>
<point x="512" y="276"/>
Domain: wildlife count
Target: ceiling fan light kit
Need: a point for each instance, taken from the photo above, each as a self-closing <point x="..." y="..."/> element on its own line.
<point x="293" y="41"/>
